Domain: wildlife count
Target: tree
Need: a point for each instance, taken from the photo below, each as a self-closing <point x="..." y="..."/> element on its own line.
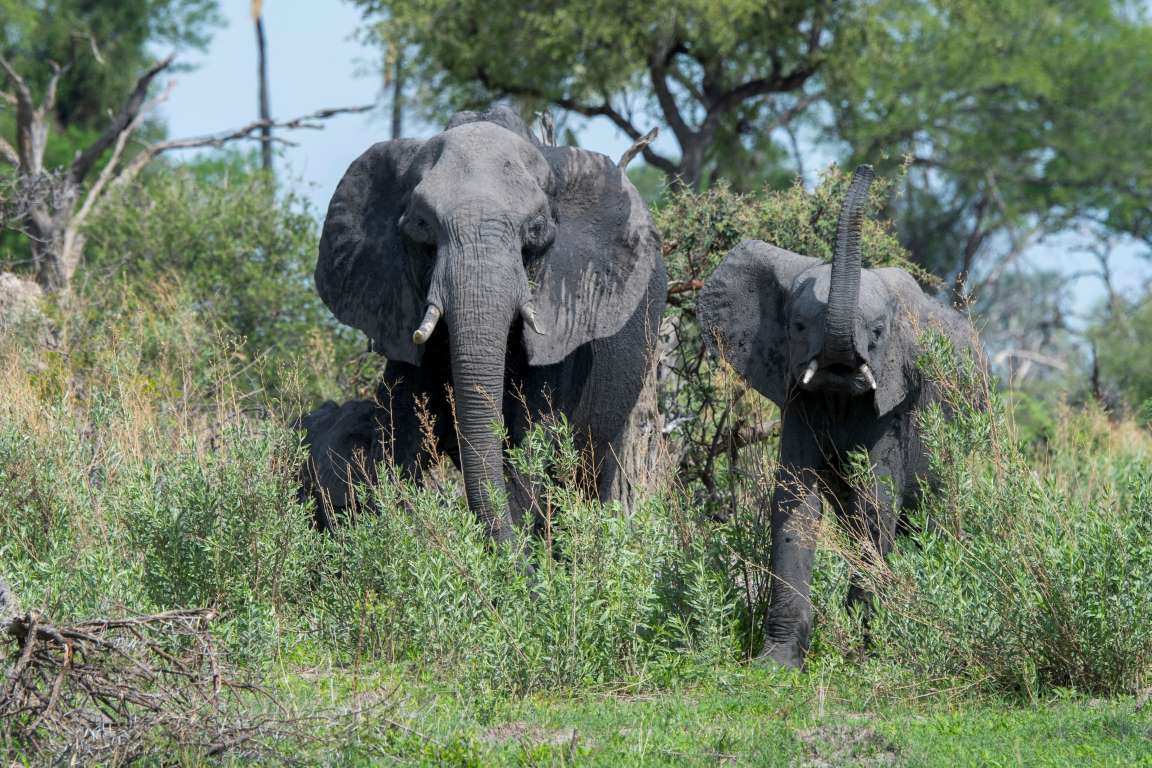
<point x="718" y="73"/>
<point x="262" y="78"/>
<point x="1020" y="118"/>
<point x="116" y="36"/>
<point x="49" y="205"/>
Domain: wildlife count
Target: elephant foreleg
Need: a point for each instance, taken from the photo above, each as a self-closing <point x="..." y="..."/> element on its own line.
<point x="795" y="517"/>
<point x="872" y="521"/>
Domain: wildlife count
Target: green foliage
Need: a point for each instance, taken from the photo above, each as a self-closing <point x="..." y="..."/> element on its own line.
<point x="591" y="56"/>
<point x="1121" y="350"/>
<point x="613" y="600"/>
<point x="108" y="44"/>
<point x="698" y="229"/>
<point x="132" y="481"/>
<point x="1030" y="106"/>
<point x="242" y="255"/>
<point x="1033" y="575"/>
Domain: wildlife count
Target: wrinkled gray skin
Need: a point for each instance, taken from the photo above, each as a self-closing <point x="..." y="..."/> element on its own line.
<point x="527" y="278"/>
<point x="775" y="316"/>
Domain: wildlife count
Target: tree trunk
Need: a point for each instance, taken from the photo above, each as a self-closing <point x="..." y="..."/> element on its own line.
<point x="397" y="93"/>
<point x="641" y="453"/>
<point x="262" y="74"/>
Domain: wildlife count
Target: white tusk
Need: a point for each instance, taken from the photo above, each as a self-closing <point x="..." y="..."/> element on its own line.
<point x="424" y="332"/>
<point x="864" y="369"/>
<point x="528" y="312"/>
<point x="809" y="372"/>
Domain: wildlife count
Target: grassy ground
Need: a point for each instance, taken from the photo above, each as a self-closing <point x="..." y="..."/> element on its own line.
<point x="748" y="716"/>
<point x="136" y="477"/>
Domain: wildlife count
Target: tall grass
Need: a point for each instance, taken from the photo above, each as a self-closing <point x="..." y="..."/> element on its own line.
<point x="137" y="474"/>
<point x="612" y="600"/>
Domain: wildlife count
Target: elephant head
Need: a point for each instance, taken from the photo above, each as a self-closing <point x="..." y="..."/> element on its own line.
<point x="791" y="323"/>
<point x="476" y="233"/>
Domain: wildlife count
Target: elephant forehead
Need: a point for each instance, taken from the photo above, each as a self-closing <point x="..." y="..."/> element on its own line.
<point x="810" y="292"/>
<point x="486" y="150"/>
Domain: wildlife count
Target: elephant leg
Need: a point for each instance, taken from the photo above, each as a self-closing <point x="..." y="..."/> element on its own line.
<point x="795" y="516"/>
<point x="872" y="518"/>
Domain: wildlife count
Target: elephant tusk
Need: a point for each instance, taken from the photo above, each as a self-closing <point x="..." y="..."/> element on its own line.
<point x="424" y="332"/>
<point x="529" y="314"/>
<point x="867" y="372"/>
<point x="809" y="372"/>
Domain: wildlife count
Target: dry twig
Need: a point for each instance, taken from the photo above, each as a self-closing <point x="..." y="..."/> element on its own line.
<point x="110" y="691"/>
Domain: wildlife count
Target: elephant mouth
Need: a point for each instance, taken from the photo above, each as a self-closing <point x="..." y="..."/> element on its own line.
<point x="836" y="377"/>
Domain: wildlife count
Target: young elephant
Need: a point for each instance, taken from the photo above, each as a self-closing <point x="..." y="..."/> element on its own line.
<point x="835" y="347"/>
<point x="526" y="277"/>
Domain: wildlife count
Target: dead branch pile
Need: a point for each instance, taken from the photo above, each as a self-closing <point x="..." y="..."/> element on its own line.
<point x="111" y="691"/>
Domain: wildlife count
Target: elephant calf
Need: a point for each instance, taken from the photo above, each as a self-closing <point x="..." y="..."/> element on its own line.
<point x="835" y="347"/>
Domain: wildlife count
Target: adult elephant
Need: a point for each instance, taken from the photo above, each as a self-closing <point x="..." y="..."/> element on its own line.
<point x="835" y="347"/>
<point x="526" y="278"/>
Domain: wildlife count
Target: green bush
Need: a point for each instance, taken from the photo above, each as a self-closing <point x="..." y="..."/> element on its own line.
<point x="1037" y="573"/>
<point x="241" y="255"/>
<point x="614" y="600"/>
<point x="134" y="477"/>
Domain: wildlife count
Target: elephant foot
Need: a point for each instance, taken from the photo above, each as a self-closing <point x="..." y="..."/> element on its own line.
<point x="788" y="654"/>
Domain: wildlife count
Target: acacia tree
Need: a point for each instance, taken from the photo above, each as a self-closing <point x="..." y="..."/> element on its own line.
<point x="710" y="69"/>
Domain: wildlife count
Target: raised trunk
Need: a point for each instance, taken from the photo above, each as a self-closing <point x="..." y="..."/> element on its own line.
<point x="844" y="285"/>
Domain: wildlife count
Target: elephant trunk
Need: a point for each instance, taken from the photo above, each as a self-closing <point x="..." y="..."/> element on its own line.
<point x="844" y="285"/>
<point x="479" y="307"/>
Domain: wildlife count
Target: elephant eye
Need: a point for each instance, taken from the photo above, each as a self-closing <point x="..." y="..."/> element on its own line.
<point x="416" y="228"/>
<point x="539" y="231"/>
<point x="877" y="333"/>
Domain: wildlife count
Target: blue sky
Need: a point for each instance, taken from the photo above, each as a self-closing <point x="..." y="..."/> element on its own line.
<point x="316" y="61"/>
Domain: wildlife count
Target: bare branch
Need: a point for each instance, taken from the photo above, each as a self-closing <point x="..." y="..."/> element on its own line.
<point x="83" y="163"/>
<point x="637" y="147"/>
<point x="149" y="153"/>
<point x="107" y="173"/>
<point x="658" y="70"/>
<point x="1031" y="356"/>
<point x="603" y="109"/>
<point x="50" y="93"/>
<point x="774" y="83"/>
<point x="8" y="153"/>
<point x="23" y="96"/>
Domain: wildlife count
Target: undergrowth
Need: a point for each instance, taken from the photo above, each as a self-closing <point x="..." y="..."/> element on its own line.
<point x="134" y="476"/>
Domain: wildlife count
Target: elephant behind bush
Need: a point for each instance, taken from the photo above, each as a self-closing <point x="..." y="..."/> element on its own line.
<point x="836" y="347"/>
<point x="507" y="282"/>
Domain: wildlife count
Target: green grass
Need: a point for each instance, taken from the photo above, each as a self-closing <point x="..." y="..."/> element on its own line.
<point x="742" y="716"/>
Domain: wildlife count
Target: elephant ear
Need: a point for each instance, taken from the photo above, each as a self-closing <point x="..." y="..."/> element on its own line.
<point x="743" y="313"/>
<point x="914" y="314"/>
<point x="363" y="272"/>
<point x="599" y="267"/>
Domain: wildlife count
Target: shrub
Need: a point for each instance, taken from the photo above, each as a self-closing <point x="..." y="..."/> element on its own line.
<point x="241" y="255"/>
<point x="132" y="478"/>
<point x="1037" y="574"/>
<point x="614" y="600"/>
